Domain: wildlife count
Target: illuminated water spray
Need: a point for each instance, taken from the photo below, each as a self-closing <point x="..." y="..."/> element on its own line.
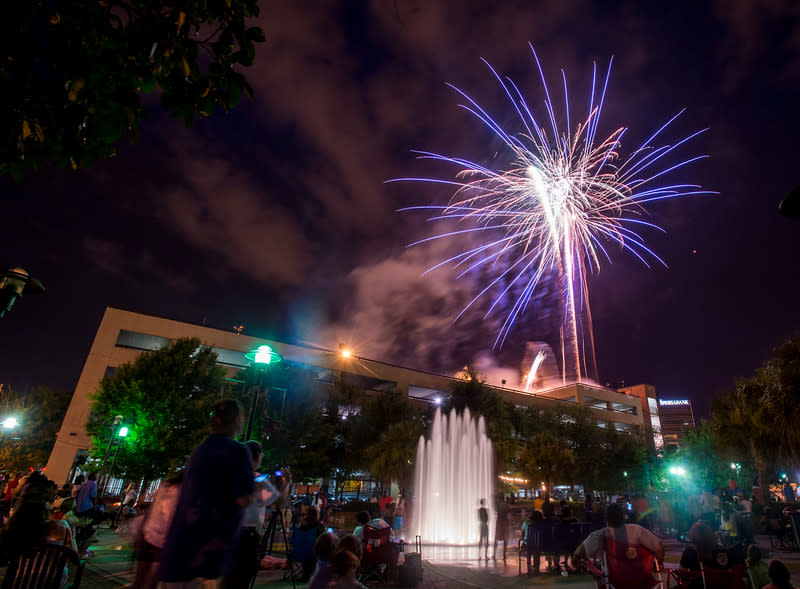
<point x="453" y="472"/>
<point x="550" y="208"/>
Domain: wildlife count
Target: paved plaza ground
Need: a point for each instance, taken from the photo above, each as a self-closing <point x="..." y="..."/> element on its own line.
<point x="449" y="568"/>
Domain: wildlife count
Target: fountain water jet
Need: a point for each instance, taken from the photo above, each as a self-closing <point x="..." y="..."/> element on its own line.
<point x="453" y="472"/>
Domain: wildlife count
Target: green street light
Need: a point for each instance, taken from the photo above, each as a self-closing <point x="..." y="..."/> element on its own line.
<point x="678" y="470"/>
<point x="262" y="356"/>
<point x="122" y="433"/>
<point x="8" y="423"/>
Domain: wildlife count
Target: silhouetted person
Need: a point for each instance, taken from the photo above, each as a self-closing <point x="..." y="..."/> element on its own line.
<point x="483" y="516"/>
<point x="217" y="486"/>
<point x="501" y="527"/>
<point x="779" y="575"/>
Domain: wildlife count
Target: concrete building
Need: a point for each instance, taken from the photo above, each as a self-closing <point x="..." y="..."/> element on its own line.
<point x="648" y="406"/>
<point x="123" y="335"/>
<point x="677" y="418"/>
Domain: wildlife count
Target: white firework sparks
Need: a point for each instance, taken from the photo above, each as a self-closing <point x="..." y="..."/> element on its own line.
<point x="565" y="196"/>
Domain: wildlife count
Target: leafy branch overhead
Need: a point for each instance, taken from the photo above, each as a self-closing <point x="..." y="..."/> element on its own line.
<point x="73" y="72"/>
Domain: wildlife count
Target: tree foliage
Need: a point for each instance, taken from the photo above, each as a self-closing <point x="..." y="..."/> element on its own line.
<point x="73" y="71"/>
<point x="39" y="415"/>
<point x="706" y="462"/>
<point x="391" y="431"/>
<point x="565" y="445"/>
<point x="757" y="421"/>
<point x="471" y="391"/>
<point x="546" y="458"/>
<point x="164" y="399"/>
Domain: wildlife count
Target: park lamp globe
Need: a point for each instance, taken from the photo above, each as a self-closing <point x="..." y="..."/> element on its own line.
<point x="261" y="357"/>
<point x="9" y="423"/>
<point x="678" y="471"/>
<point x="14" y="283"/>
<point x="263" y="354"/>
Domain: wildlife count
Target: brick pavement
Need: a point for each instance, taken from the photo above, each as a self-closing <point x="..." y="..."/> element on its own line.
<point x="112" y="566"/>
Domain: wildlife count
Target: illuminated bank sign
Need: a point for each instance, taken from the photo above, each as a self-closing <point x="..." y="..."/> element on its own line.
<point x="673" y="402"/>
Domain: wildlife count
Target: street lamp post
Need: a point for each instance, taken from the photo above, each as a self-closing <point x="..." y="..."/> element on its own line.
<point x="261" y="357"/>
<point x="117" y="421"/>
<point x="14" y="283"/>
<point x="122" y="433"/>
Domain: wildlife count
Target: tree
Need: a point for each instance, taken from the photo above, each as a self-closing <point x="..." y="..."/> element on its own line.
<point x="745" y="422"/>
<point x="471" y="391"/>
<point x="390" y="432"/>
<point x="164" y="399"/>
<point x="547" y="458"/>
<point x="781" y="379"/>
<point x="565" y="445"/>
<point x="318" y="438"/>
<point x="74" y="71"/>
<point x="700" y="454"/>
<point x="39" y="414"/>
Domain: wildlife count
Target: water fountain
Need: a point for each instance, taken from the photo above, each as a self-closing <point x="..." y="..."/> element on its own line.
<point x="453" y="472"/>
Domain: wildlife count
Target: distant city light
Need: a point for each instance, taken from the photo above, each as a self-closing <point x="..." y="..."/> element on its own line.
<point x="517" y="480"/>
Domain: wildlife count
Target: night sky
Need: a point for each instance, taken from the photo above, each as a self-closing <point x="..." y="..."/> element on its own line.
<point x="277" y="216"/>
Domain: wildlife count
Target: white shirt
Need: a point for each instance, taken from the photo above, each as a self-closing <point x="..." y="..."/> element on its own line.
<point x="156" y="524"/>
<point x="633" y="534"/>
<point x="265" y="495"/>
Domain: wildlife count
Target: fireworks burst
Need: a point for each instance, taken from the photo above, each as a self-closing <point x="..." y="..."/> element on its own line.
<point x="564" y="197"/>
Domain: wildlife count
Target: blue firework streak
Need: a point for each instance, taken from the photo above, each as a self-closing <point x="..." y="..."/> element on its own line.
<point x="565" y="196"/>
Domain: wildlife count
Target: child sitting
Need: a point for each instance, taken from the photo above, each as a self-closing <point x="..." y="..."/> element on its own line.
<point x="344" y="564"/>
<point x="757" y="576"/>
<point x="323" y="550"/>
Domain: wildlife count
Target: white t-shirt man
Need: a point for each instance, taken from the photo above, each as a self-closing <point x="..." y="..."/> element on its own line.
<point x="626" y="534"/>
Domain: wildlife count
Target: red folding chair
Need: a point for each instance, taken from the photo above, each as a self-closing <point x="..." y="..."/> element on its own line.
<point x="726" y="570"/>
<point x="626" y="566"/>
<point x="379" y="553"/>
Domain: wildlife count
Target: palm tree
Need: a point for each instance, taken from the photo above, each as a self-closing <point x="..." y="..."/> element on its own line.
<point x="745" y="420"/>
<point x="781" y="376"/>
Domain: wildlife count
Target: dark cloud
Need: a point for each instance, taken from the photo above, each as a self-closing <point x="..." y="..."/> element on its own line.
<point x="758" y="32"/>
<point x="282" y="205"/>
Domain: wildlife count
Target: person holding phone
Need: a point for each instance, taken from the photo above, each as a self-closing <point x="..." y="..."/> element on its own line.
<point x="246" y="559"/>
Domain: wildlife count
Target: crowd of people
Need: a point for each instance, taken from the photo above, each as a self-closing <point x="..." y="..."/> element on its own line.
<point x="717" y="529"/>
<point x="206" y="523"/>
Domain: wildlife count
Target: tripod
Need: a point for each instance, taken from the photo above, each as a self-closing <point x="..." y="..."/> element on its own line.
<point x="265" y="546"/>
